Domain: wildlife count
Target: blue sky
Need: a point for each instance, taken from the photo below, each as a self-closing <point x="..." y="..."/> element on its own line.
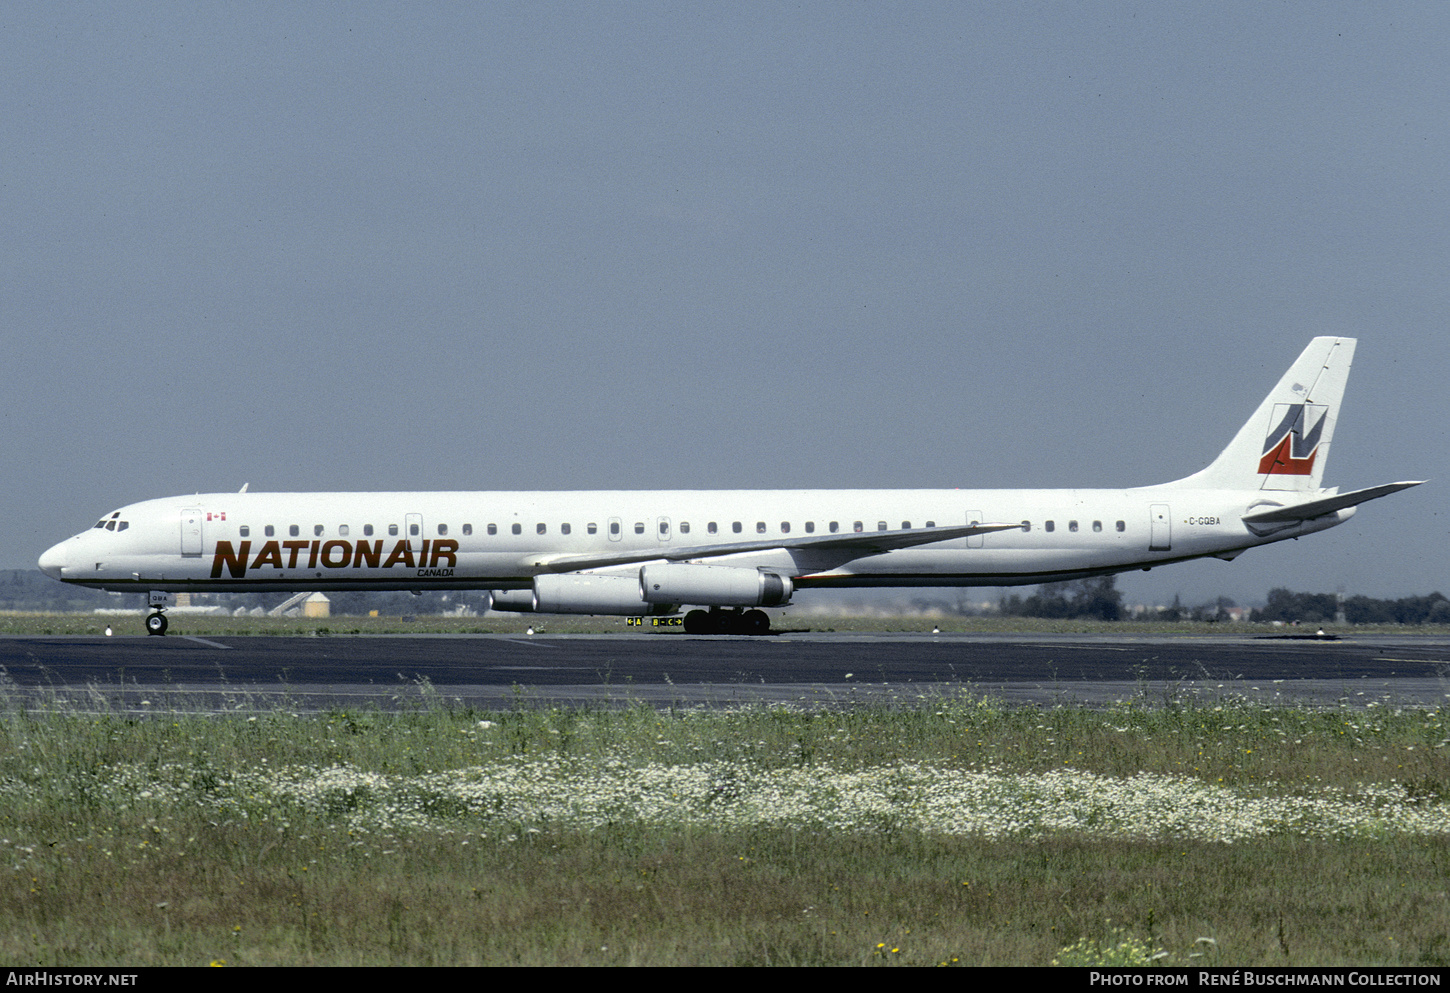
<point x="635" y="245"/>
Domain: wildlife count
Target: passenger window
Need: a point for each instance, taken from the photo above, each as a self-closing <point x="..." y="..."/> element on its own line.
<point x="760" y="527"/>
<point x="1072" y="525"/>
<point x="931" y="524"/>
<point x="541" y="528"/>
<point x="736" y="527"/>
<point x="906" y="525"/>
<point x="592" y="528"/>
<point x="413" y="530"/>
<point x="880" y="525"/>
<point x="810" y="527"/>
<point x="367" y="530"/>
<point x="785" y="527"/>
<point x="467" y="529"/>
<point x="1026" y="525"/>
<point x="317" y="529"/>
<point x="1050" y="526"/>
<point x="858" y="527"/>
<point x="493" y="529"/>
<point x="1122" y="526"/>
<point x="342" y="530"/>
<point x="269" y="530"/>
<point x="245" y="531"/>
<point x="294" y="530"/>
<point x="664" y="529"/>
<point x="639" y="527"/>
<point x="835" y="526"/>
<point x="712" y="528"/>
<point x="443" y="529"/>
<point x="392" y="530"/>
<point x="1097" y="525"/>
<point x="684" y="527"/>
<point x="614" y="527"/>
<point x="565" y="529"/>
<point x="517" y="529"/>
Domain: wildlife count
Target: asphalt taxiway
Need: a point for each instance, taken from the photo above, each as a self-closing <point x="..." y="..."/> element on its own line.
<point x="137" y="673"/>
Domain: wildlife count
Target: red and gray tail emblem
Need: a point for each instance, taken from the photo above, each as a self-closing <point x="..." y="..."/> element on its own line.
<point x="1292" y="444"/>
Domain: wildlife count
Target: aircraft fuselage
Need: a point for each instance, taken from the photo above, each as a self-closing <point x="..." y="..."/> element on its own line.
<point x="229" y="542"/>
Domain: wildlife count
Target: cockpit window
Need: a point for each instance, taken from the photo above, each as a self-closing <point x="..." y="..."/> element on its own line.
<point x="112" y="524"/>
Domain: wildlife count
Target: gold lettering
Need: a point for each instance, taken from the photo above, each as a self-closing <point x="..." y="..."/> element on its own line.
<point x="372" y="554"/>
<point x="401" y="553"/>
<point x="270" y="554"/>
<point x="234" y="559"/>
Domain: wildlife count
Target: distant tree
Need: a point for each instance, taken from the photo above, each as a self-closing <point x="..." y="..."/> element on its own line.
<point x="1316" y="608"/>
<point x="1173" y="612"/>
<point x="1364" y="610"/>
<point x="1051" y="600"/>
<point x="1099" y="598"/>
<point x="1288" y="607"/>
<point x="1217" y="610"/>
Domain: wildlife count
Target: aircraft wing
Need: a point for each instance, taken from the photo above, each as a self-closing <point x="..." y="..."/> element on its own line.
<point x="1324" y="505"/>
<point x="861" y="542"/>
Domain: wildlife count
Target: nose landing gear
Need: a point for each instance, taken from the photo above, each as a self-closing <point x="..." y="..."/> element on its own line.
<point x="158" y="600"/>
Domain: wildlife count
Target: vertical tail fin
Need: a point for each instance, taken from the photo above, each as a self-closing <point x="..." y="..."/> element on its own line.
<point x="1285" y="445"/>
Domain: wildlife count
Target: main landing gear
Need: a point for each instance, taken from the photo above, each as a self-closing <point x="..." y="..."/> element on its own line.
<point x="718" y="620"/>
<point x="156" y="623"/>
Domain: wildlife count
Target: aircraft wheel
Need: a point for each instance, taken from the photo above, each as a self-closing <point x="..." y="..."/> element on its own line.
<point x="156" y="624"/>
<point x="755" y="622"/>
<point x="698" y="622"/>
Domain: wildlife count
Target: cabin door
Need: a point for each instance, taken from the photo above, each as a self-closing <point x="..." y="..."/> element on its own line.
<point x="1162" y="528"/>
<point x="191" y="531"/>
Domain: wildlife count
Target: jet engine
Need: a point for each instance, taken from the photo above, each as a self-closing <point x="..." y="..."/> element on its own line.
<point x="582" y="593"/>
<point x="713" y="585"/>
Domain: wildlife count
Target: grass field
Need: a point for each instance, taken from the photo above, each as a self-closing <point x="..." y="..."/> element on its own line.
<point x="962" y="832"/>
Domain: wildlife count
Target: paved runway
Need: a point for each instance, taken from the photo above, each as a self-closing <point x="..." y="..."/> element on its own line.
<point x="493" y="671"/>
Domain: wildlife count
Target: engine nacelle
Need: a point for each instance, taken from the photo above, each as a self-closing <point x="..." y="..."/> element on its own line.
<point x="579" y="594"/>
<point x="713" y="585"/>
<point x="516" y="601"/>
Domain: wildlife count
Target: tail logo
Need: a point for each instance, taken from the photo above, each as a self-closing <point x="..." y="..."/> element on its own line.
<point x="1292" y="444"/>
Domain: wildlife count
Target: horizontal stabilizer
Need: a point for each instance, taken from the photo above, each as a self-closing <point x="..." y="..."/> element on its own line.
<point x="862" y="542"/>
<point x="1325" y="505"/>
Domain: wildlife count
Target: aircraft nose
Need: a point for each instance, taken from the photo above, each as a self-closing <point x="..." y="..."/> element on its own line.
<point x="53" y="560"/>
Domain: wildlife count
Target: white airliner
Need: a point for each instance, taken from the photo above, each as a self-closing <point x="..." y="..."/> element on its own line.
<point x="731" y="551"/>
